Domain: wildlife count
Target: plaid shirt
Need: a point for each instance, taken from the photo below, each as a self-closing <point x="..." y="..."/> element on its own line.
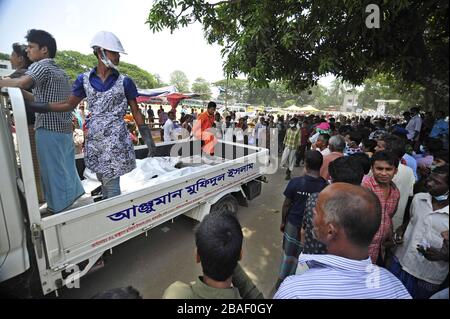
<point x="388" y="209"/>
<point x="292" y="138"/>
<point x="51" y="84"/>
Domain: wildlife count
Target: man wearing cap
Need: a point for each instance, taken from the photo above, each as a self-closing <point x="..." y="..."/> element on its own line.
<point x="109" y="150"/>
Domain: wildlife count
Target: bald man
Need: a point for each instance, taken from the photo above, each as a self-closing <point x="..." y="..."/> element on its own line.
<point x="346" y="218"/>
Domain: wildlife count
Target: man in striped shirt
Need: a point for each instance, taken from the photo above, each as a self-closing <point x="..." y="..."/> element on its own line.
<point x="54" y="140"/>
<point x="346" y="218"/>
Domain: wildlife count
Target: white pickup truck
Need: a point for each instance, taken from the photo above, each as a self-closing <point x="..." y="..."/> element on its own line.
<point x="39" y="255"/>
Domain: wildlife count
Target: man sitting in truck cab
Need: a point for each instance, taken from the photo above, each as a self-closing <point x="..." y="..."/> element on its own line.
<point x="219" y="248"/>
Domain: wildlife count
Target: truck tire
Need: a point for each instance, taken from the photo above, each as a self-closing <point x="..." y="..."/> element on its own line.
<point x="227" y="203"/>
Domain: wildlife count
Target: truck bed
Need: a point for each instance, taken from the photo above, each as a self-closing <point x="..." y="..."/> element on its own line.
<point x="72" y="241"/>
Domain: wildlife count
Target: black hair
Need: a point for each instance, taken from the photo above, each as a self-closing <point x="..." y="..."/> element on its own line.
<point x="346" y="169"/>
<point x="21" y="50"/>
<point x="355" y="137"/>
<point x="325" y="137"/>
<point x="171" y="113"/>
<point x="212" y="104"/>
<point x="442" y="154"/>
<point x="434" y="145"/>
<point x="394" y="144"/>
<point x="369" y="145"/>
<point x="364" y="160"/>
<point x="385" y="156"/>
<point x="313" y="160"/>
<point x="119" y="293"/>
<point x="442" y="170"/>
<point x="219" y="242"/>
<point x="42" y="39"/>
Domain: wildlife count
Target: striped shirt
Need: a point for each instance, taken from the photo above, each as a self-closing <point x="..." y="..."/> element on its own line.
<point x="334" y="277"/>
<point x="51" y="84"/>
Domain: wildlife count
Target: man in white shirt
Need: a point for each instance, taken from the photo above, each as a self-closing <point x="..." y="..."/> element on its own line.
<point x="169" y="127"/>
<point x="414" y="125"/>
<point x="322" y="144"/>
<point x="419" y="261"/>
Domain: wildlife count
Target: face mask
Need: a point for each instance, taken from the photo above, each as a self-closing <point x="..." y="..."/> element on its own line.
<point x="433" y="166"/>
<point x="441" y="197"/>
<point x="106" y="61"/>
<point x="292" y="125"/>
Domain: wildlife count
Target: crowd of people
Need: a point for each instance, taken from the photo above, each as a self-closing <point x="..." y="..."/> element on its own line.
<point x="368" y="217"/>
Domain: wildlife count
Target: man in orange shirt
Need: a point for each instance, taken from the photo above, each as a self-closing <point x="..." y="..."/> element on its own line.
<point x="200" y="130"/>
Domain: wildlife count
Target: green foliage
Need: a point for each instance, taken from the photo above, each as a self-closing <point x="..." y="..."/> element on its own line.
<point x="200" y="86"/>
<point x="180" y="80"/>
<point x="388" y="87"/>
<point x="4" y="56"/>
<point x="75" y="63"/>
<point x="298" y="41"/>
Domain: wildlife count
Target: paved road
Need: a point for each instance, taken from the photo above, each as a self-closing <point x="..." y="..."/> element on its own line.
<point x="151" y="264"/>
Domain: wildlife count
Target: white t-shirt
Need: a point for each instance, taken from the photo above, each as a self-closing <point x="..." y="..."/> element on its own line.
<point x="425" y="227"/>
<point x="414" y="124"/>
<point x="325" y="151"/>
<point x="168" y="129"/>
<point x="404" y="180"/>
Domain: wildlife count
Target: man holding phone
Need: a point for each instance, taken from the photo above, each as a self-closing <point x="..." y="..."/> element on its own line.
<point x="421" y="256"/>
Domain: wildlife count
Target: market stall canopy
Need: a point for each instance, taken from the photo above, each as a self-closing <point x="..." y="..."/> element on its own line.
<point x="308" y="108"/>
<point x="157" y="91"/>
<point x="175" y="98"/>
<point x="293" y="108"/>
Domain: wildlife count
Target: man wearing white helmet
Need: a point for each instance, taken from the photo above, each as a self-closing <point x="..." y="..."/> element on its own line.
<point x="109" y="150"/>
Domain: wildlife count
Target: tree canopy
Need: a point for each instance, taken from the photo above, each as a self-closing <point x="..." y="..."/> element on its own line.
<point x="202" y="87"/>
<point x="75" y="63"/>
<point x="180" y="80"/>
<point x="298" y="41"/>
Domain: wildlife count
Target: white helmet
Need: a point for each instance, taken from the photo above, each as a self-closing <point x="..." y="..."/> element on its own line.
<point x="108" y="41"/>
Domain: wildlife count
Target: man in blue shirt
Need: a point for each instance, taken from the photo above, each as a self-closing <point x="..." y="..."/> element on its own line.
<point x="440" y="128"/>
<point x="296" y="194"/>
<point x="109" y="150"/>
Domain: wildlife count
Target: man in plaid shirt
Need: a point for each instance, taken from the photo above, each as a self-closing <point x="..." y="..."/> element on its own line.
<point x="54" y="142"/>
<point x="384" y="168"/>
<point x="291" y="143"/>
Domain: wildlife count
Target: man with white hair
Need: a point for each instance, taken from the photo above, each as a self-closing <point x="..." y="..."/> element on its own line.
<point x="336" y="144"/>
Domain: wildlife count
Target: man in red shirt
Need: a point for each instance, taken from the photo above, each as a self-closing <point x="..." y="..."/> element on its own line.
<point x="202" y="126"/>
<point x="384" y="168"/>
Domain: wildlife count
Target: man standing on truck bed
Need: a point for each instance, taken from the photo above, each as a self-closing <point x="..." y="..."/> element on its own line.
<point x="109" y="151"/>
<point x="205" y="121"/>
<point x="54" y="144"/>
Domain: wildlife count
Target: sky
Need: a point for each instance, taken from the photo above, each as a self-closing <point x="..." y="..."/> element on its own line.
<point x="73" y="24"/>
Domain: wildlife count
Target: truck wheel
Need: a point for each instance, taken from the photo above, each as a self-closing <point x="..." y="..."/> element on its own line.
<point x="227" y="203"/>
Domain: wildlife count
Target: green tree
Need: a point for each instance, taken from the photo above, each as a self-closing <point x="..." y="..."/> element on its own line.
<point x="75" y="63"/>
<point x="387" y="87"/>
<point x="180" y="80"/>
<point x="200" y="86"/>
<point x="233" y="89"/>
<point x="4" y="56"/>
<point x="299" y="41"/>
